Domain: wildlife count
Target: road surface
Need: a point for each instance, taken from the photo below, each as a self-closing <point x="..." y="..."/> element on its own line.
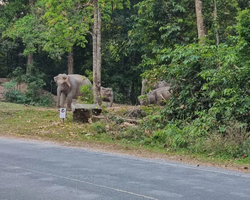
<point x="31" y="170"/>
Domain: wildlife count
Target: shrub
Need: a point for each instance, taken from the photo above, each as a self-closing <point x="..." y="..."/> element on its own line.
<point x="98" y="127"/>
<point x="230" y="140"/>
<point x="33" y="94"/>
<point x="46" y="100"/>
<point x="11" y="94"/>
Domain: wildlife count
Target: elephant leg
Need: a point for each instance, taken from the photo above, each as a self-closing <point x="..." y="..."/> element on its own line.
<point x="151" y="98"/>
<point x="62" y="100"/>
<point x="58" y="102"/>
<point x="111" y="102"/>
<point x="69" y="101"/>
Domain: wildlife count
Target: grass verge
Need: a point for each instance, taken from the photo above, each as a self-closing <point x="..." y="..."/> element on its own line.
<point x="106" y="135"/>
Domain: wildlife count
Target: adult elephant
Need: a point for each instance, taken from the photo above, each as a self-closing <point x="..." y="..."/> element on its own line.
<point x="69" y="86"/>
<point x="147" y="85"/>
<point x="157" y="96"/>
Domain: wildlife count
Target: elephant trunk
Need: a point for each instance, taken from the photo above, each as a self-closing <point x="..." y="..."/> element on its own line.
<point x="58" y="96"/>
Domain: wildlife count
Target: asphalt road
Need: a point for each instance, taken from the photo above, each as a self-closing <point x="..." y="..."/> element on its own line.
<point x="32" y="170"/>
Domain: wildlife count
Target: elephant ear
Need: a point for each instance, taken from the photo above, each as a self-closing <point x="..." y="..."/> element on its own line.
<point x="55" y="78"/>
<point x="67" y="81"/>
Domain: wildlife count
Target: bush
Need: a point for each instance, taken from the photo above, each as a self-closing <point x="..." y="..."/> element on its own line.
<point x="98" y="127"/>
<point x="209" y="108"/>
<point x="46" y="100"/>
<point x="11" y="94"/>
<point x="170" y="137"/>
<point x="33" y="94"/>
<point x="231" y="140"/>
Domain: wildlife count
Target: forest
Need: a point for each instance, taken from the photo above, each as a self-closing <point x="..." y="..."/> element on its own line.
<point x="201" y="46"/>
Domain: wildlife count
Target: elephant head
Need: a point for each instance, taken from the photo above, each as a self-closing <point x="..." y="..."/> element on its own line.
<point x="107" y="95"/>
<point x="62" y="80"/>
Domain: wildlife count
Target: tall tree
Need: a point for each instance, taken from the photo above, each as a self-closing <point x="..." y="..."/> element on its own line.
<point x="96" y="36"/>
<point x="70" y="61"/>
<point x="30" y="55"/>
<point x="215" y="22"/>
<point x="200" y="23"/>
<point x="68" y="25"/>
<point x="11" y="51"/>
<point x="97" y="59"/>
<point x="29" y="30"/>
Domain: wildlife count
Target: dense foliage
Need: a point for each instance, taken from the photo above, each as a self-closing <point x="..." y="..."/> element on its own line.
<point x="153" y="39"/>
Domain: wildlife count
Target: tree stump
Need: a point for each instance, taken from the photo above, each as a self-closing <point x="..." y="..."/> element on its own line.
<point x="84" y="112"/>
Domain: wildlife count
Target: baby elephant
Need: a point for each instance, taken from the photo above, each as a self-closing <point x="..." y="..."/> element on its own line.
<point x="107" y="95"/>
<point x="157" y="96"/>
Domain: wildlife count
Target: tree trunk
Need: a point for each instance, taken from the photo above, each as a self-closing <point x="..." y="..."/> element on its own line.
<point x="30" y="56"/>
<point x="29" y="64"/>
<point x="200" y="24"/>
<point x="215" y="22"/>
<point x="99" y="54"/>
<point x="70" y="62"/>
<point x="96" y="35"/>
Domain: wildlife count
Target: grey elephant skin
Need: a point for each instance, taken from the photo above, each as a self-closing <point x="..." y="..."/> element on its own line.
<point x="161" y="84"/>
<point x="157" y="96"/>
<point x="107" y="95"/>
<point x="146" y="85"/>
<point x="69" y="86"/>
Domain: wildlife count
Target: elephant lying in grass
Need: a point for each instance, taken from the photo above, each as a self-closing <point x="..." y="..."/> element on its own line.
<point x="69" y="86"/>
<point x="161" y="84"/>
<point x="146" y="85"/>
<point x="107" y="95"/>
<point x="156" y="96"/>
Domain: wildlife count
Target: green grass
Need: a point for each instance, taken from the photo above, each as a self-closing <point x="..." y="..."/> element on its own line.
<point x="44" y="124"/>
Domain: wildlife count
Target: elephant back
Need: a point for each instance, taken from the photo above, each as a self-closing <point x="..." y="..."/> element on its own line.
<point x="81" y="80"/>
